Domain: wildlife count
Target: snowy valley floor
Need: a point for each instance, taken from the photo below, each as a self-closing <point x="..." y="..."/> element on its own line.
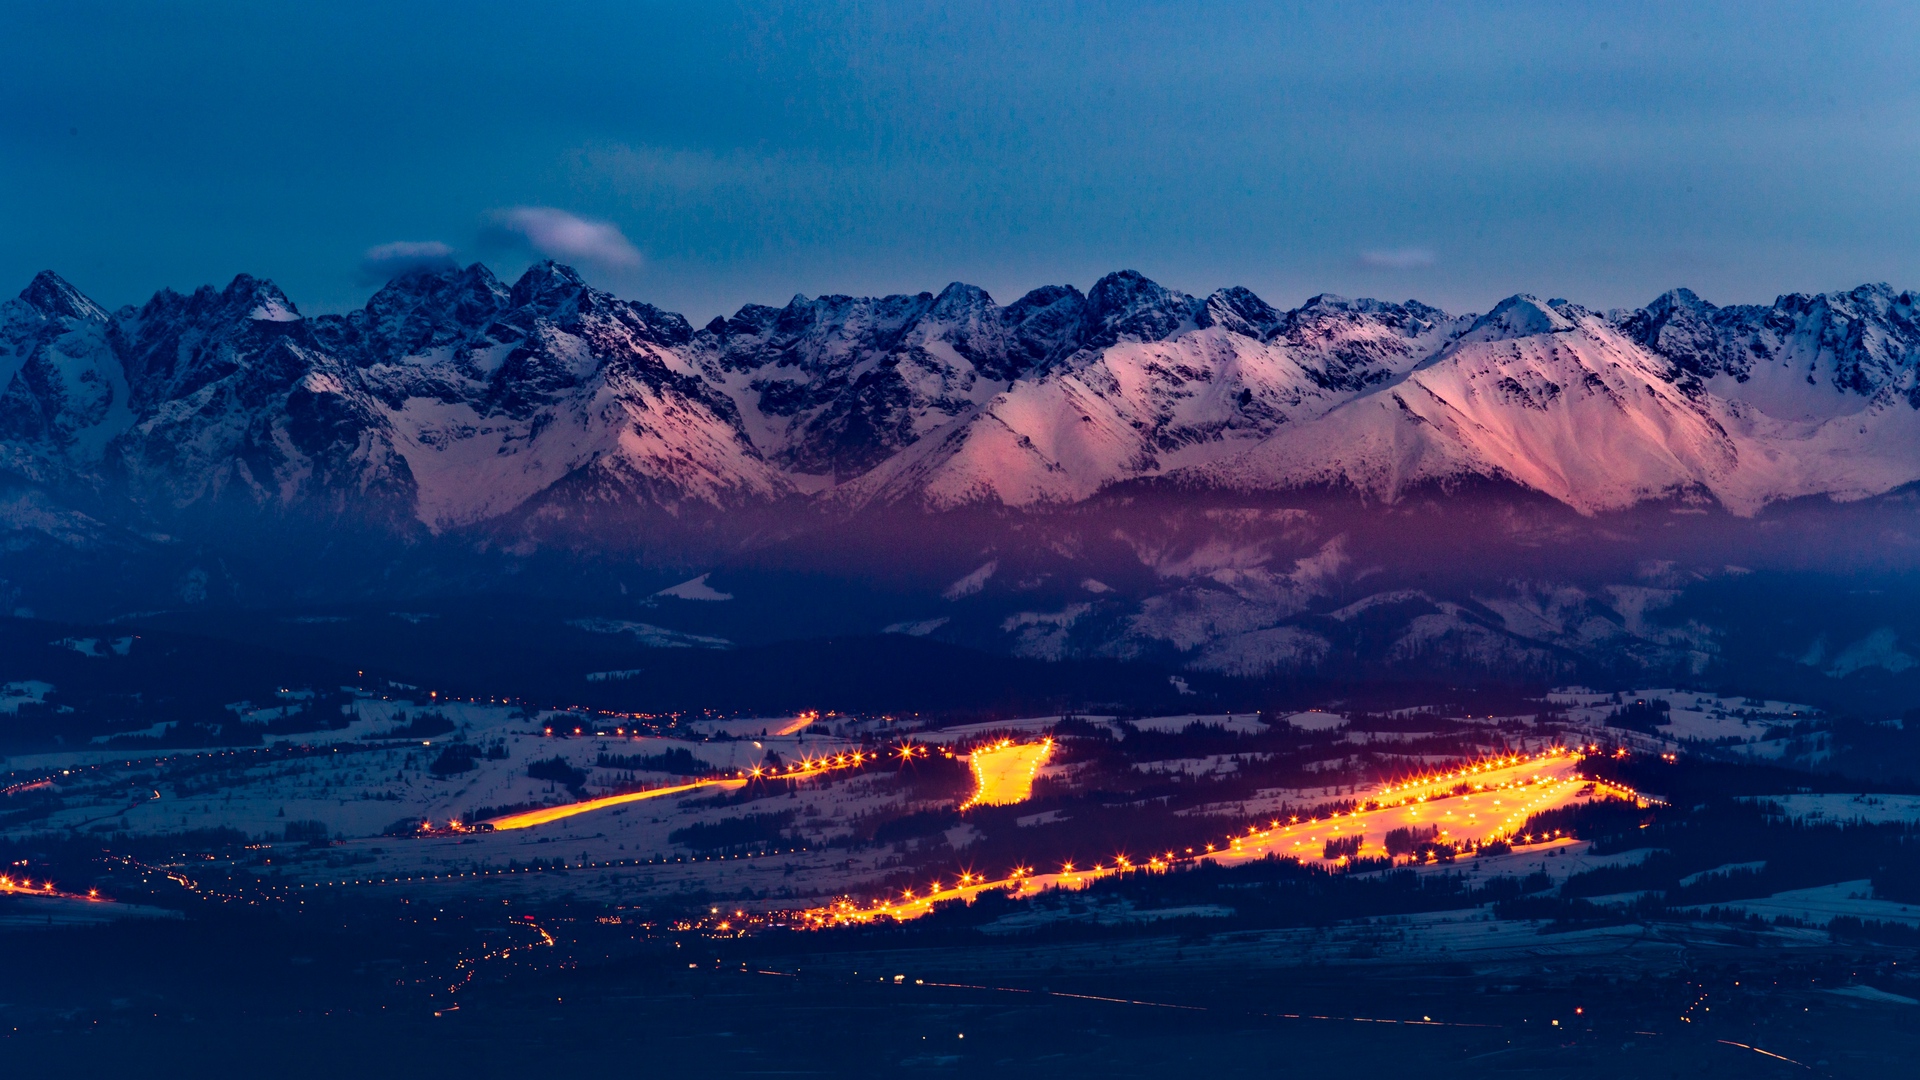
<point x="1592" y="888"/>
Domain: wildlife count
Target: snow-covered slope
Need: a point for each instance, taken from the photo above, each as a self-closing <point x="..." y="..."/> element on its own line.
<point x="1821" y="393"/>
<point x="835" y="386"/>
<point x="1142" y="406"/>
<point x="1578" y="406"/>
<point x="1550" y="397"/>
<point x="550" y="390"/>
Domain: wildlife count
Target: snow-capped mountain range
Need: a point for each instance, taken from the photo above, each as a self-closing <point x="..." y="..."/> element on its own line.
<point x="453" y="400"/>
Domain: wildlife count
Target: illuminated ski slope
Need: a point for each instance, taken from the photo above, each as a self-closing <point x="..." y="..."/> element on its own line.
<point x="1468" y="807"/>
<point x="1003" y="772"/>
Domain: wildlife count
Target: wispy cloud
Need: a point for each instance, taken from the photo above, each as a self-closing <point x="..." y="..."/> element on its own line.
<point x="556" y="234"/>
<point x="1412" y="258"/>
<point x="388" y="261"/>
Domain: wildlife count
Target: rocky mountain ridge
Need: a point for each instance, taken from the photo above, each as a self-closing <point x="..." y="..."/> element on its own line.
<point x="454" y="400"/>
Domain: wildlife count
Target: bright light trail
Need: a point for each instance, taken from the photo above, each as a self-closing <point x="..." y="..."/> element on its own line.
<point x="529" y="818"/>
<point x="805" y="769"/>
<point x="797" y="724"/>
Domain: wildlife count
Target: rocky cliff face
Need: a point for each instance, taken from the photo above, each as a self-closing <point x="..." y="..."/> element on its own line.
<point x="65" y="392"/>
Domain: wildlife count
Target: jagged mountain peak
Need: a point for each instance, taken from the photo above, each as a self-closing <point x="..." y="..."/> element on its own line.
<point x="1042" y="326"/>
<point x="1678" y="325"/>
<point x="244" y="299"/>
<point x="1239" y="310"/>
<point x="430" y="308"/>
<point x="1327" y="302"/>
<point x="54" y="297"/>
<point x="750" y="321"/>
<point x="1874" y="297"/>
<point x="961" y="300"/>
<point x="1348" y="345"/>
<point x="557" y="294"/>
<point x="1679" y="299"/>
<point x="1331" y="302"/>
<point x="1519" y="316"/>
<point x="1047" y="296"/>
<point x="1859" y="343"/>
<point x="1681" y="308"/>
<point x="268" y="303"/>
<point x="175" y="345"/>
<point x="549" y="284"/>
<point x="431" y="282"/>
<point x="1127" y="304"/>
<point x="1326" y="311"/>
<point x="823" y="334"/>
<point x="60" y="395"/>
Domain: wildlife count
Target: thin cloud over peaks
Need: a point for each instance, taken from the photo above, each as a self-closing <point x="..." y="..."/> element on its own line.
<point x="385" y="262"/>
<point x="556" y="234"/>
<point x="1413" y="258"/>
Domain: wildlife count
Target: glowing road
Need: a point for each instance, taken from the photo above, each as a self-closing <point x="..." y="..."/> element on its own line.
<point x="806" y="768"/>
<point x="10" y="886"/>
<point x="526" y="819"/>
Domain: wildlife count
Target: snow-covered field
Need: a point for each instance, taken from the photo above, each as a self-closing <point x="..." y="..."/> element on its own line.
<point x="1822" y="904"/>
<point x="26" y="692"/>
<point x="338" y="810"/>
<point x="18" y="911"/>
<point x="1316" y="720"/>
<point x="1211" y="765"/>
<point x="1239" y="723"/>
<point x="1753" y="728"/>
<point x="948" y="736"/>
<point x="1236" y="723"/>
<point x="1867" y="809"/>
<point x="364" y="789"/>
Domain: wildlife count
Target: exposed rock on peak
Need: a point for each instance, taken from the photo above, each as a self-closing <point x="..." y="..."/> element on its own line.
<point x="1042" y="326"/>
<point x="1855" y="346"/>
<point x="548" y="284"/>
<point x="51" y="295"/>
<point x="428" y="309"/>
<point x="1128" y="305"/>
<point x="1239" y="310"/>
<point x="1679" y="326"/>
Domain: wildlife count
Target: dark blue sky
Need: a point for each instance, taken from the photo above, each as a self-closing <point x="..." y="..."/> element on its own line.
<point x="715" y="153"/>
